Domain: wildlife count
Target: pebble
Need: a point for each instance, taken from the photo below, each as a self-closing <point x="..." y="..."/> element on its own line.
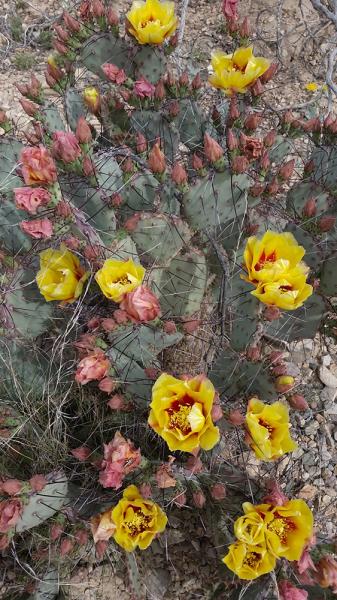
<point x="327" y="377"/>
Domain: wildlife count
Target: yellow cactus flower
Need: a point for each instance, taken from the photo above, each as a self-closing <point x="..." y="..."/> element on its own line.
<point x="288" y="293"/>
<point x="250" y="529"/>
<point x="269" y="258"/>
<point x="287" y="528"/>
<point x="92" y="99"/>
<point x="181" y="412"/>
<point x="268" y="429"/>
<point x="235" y="72"/>
<point x="137" y="520"/>
<point x="151" y="21"/>
<point x="61" y="276"/>
<point x="119" y="277"/>
<point x="249" y="562"/>
<point x="312" y="86"/>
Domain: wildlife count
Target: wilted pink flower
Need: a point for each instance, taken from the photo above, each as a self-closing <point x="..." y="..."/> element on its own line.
<point x="305" y="563"/>
<point x="218" y="491"/>
<point x="86" y="343"/>
<point x="143" y="88"/>
<point x="110" y="71"/>
<point x="164" y="477"/>
<point x="298" y="402"/>
<point x="82" y="453"/>
<point x="121" y="316"/>
<point x="38" y="166"/>
<point x="251" y="147"/>
<point x="327" y="572"/>
<point x="95" y="366"/>
<point x="107" y="385"/>
<point x="141" y="304"/>
<point x="10" y="511"/>
<point x="108" y="324"/>
<point x="199" y="499"/>
<point x="275" y="495"/>
<point x="11" y="486"/>
<point x="38" y="229"/>
<point x="145" y="490"/>
<point x="30" y="199"/>
<point x="66" y="546"/>
<point x="120" y="458"/>
<point x="229" y="9"/>
<point x="38" y="482"/>
<point x="55" y="531"/>
<point x="288" y="591"/>
<point x="65" y="146"/>
<point x="236" y="417"/>
<point x="194" y="465"/>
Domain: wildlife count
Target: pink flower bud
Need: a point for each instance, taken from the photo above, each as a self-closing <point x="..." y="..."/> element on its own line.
<point x="63" y="209"/>
<point x="66" y="546"/>
<point x="178" y="174"/>
<point x="121" y="316"/>
<point x="97" y="8"/>
<point x="180" y="500"/>
<point x="116" y="402"/>
<point x="65" y="146"/>
<point x="108" y="325"/>
<point x="141" y="143"/>
<point x="112" y="16"/>
<point x="312" y="125"/>
<point x="30" y="108"/>
<point x="116" y="200"/>
<point x="83" y="131"/>
<point x="191" y="325"/>
<point x="38" y="482"/>
<point x="197" y="82"/>
<point x="265" y="161"/>
<point x="86" y="343"/>
<point x="275" y="357"/>
<point x="252" y="121"/>
<point x="232" y="141"/>
<point x="100" y="548"/>
<point x="174" y="108"/>
<point x="217" y="413"/>
<point x="244" y="28"/>
<point x="156" y="161"/>
<point x="152" y="372"/>
<point x="92" y="252"/>
<point x="229" y="9"/>
<point x="30" y="199"/>
<point x="233" y="112"/>
<point x="288" y="591"/>
<point x="257" y="190"/>
<point x="61" y="33"/>
<point x="88" y="166"/>
<point x="329" y="120"/>
<point x="127" y="165"/>
<point x="253" y="353"/>
<point x="143" y="88"/>
<point x="159" y="92"/>
<point x="145" y="490"/>
<point x="309" y="209"/>
<point x="95" y="366"/>
<point x="270" y="138"/>
<point x="183" y="79"/>
<point x="275" y="495"/>
<point x="271" y="313"/>
<point x="257" y="88"/>
<point x="170" y="327"/>
<point x="269" y="73"/>
<point x="38" y="229"/>
<point x="81" y="537"/>
<point x="240" y="164"/>
<point x="51" y="82"/>
<point x="73" y="25"/>
<point x="60" y="47"/>
<point x="107" y="384"/>
<point x="11" y="487"/>
<point x="273" y="187"/>
<point x="288" y="118"/>
<point x="236" y="418"/>
<point x="55" y="72"/>
<point x="286" y="171"/>
<point x="94" y="323"/>
<point x="82" y="453"/>
<point x="213" y="150"/>
<point x="284" y="383"/>
<point x="56" y="531"/>
<point x="197" y="163"/>
<point x="326" y="223"/>
<point x="141" y="304"/>
<point x="298" y="402"/>
<point x="280" y="369"/>
<point x="199" y="499"/>
<point x="170" y="79"/>
<point x="218" y="491"/>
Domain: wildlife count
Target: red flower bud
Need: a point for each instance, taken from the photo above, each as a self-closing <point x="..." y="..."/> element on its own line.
<point x="131" y="223"/>
<point x="71" y="23"/>
<point x="55" y="531"/>
<point x="174" y="108"/>
<point x="309" y="167"/>
<point x="179" y="175"/>
<point x="51" y="82"/>
<point x="66" y="546"/>
<point x="213" y="150"/>
<point x="240" y="164"/>
<point x="273" y="187"/>
<point x="298" y="402"/>
<point x="327" y="223"/>
<point x="233" y="112"/>
<point x="329" y="120"/>
<point x="286" y="171"/>
<point x="116" y="200"/>
<point x="83" y="131"/>
<point x="310" y="209"/>
<point x="252" y="121"/>
<point x="29" y="107"/>
<point x="156" y="161"/>
<point x="244" y="28"/>
<point x="275" y="357"/>
<point x="127" y="165"/>
<point x="270" y="138"/>
<point x="288" y="118"/>
<point x="271" y="313"/>
<point x="170" y="327"/>
<point x="180" y="500"/>
<point x="312" y="125"/>
<point x="60" y="47"/>
<point x="159" y="92"/>
<point x="199" y="499"/>
<point x="62" y="34"/>
<point x="88" y="167"/>
<point x="197" y="163"/>
<point x="257" y="88"/>
<point x="280" y="369"/>
<point x="98" y="9"/>
<point x="54" y="71"/>
<point x="183" y="79"/>
<point x="253" y="353"/>
<point x="269" y="74"/>
<point x="197" y="82"/>
<point x="232" y="141"/>
<point x="265" y="161"/>
<point x="22" y="88"/>
<point x="218" y="491"/>
<point x="141" y="143"/>
<point x="256" y="190"/>
<point x="113" y="19"/>
<point x="236" y="418"/>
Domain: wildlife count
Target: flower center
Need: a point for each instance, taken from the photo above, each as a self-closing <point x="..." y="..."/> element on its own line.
<point x="151" y="19"/>
<point x="267" y="426"/>
<point x="178" y="414"/>
<point x="281" y="527"/>
<point x="138" y="523"/>
<point x="123" y="280"/>
<point x="252" y="560"/>
<point x="271" y="258"/>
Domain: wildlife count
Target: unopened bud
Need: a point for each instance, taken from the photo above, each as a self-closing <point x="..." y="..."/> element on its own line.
<point x="3" y="117"/>
<point x="236" y="418"/>
<point x="112" y="16"/>
<point x="298" y="402"/>
<point x="329" y="120"/>
<point x="233" y="112"/>
<point x="66" y="546"/>
<point x="83" y="131"/>
<point x="60" y="46"/>
<point x="269" y="139"/>
<point x="127" y="165"/>
<point x="271" y="313"/>
<point x="170" y="327"/>
<point x="197" y="82"/>
<point x="156" y="161"/>
<point x="240" y="164"/>
<point x="51" y="82"/>
<point x="265" y="161"/>
<point x="253" y="353"/>
<point x="269" y="73"/>
<point x="310" y="209"/>
<point x="213" y="150"/>
<point x="159" y="92"/>
<point x="232" y="141"/>
<point x="312" y="125"/>
<point x="56" y="531"/>
<point x="288" y="118"/>
<point x="199" y="499"/>
<point x="284" y="383"/>
<point x="180" y="500"/>
<point x="252" y="121"/>
<point x="280" y="369"/>
<point x="22" y="88"/>
<point x="71" y="23"/>
<point x="272" y="187"/>
<point x="257" y="88"/>
<point x="327" y="223"/>
<point x="92" y="99"/>
<point x="174" y="108"/>
<point x="245" y="28"/>
<point x="132" y="222"/>
<point x="62" y="34"/>
<point x="54" y="71"/>
<point x="98" y="9"/>
<point x="29" y="107"/>
<point x="275" y="357"/>
<point x="170" y="79"/>
<point x="197" y="163"/>
<point x="88" y="166"/>
<point x="183" y="79"/>
<point x="179" y="175"/>
<point x="286" y="171"/>
<point x="141" y="143"/>
<point x="309" y="167"/>
<point x="218" y="491"/>
<point x="256" y="190"/>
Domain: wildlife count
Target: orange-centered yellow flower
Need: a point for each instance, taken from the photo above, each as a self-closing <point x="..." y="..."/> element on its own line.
<point x="235" y="72"/>
<point x="181" y="412"/>
<point x="119" y="277"/>
<point x="274" y="266"/>
<point x="249" y="562"/>
<point x="137" y="520"/>
<point x="152" y="21"/>
<point x="61" y="276"/>
<point x="268" y="429"/>
<point x="287" y="528"/>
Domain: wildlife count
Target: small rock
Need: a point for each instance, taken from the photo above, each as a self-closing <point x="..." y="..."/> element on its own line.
<point x="311" y="428"/>
<point x="327" y="377"/>
<point x="308" y="492"/>
<point x="327" y="396"/>
<point x="326" y="360"/>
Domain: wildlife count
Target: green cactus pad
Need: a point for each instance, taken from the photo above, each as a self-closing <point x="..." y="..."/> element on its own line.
<point x="234" y="376"/>
<point x="281" y="148"/>
<point x="149" y="62"/>
<point x="153" y="125"/>
<point x="328" y="280"/>
<point x="123" y="248"/>
<point x="139" y="194"/>
<point x="12" y="237"/>
<point x="143" y="342"/>
<point x="190" y="123"/>
<point x="9" y="158"/>
<point x="48" y="586"/>
<point x="23" y="371"/>
<point x="181" y="286"/>
<point x="160" y="237"/>
<point x="106" y="49"/>
<point x="53" y="119"/>
<point x="302" y="323"/>
<point x="244" y="310"/>
<point x="74" y="107"/>
<point x="313" y="250"/>
<point x="300" y="193"/>
<point x="43" y="505"/>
